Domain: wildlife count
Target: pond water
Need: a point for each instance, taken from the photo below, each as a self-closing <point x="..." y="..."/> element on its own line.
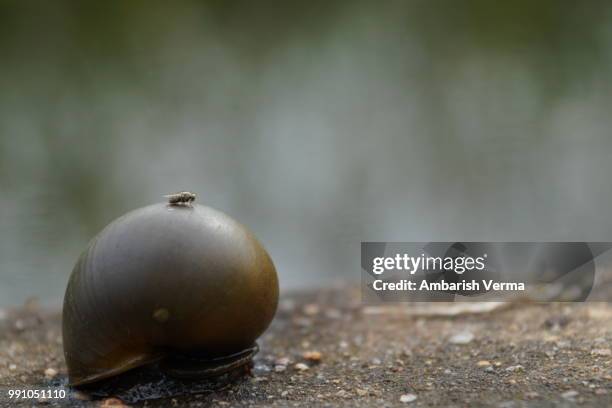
<point x="318" y="125"/>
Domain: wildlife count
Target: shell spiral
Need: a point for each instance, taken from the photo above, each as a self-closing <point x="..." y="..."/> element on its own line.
<point x="164" y="279"/>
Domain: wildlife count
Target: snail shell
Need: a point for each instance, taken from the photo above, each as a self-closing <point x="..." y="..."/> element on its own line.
<point x="164" y="280"/>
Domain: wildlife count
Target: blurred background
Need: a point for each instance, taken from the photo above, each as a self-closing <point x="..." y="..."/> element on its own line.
<point x="319" y="124"/>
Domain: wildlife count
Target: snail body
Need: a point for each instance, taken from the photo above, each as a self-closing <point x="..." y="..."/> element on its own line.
<point x="162" y="282"/>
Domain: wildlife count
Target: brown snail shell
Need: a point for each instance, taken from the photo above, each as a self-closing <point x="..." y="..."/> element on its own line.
<point x="164" y="280"/>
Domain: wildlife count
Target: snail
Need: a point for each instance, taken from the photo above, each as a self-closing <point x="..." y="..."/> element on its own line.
<point x="182" y="286"/>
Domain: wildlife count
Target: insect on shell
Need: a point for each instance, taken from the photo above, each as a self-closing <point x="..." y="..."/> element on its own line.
<point x="183" y="197"/>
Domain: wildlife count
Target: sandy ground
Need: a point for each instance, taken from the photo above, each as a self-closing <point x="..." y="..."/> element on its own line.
<point x="327" y="349"/>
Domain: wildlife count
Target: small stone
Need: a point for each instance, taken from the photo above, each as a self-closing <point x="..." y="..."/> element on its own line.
<point x="571" y="394"/>
<point x="282" y="361"/>
<point x="343" y="394"/>
<point x="600" y="391"/>
<point x="601" y="352"/>
<point x="376" y="361"/>
<point x="284" y="393"/>
<point x="20" y="325"/>
<point x="50" y="373"/>
<point x="333" y="314"/>
<point x="312" y="356"/>
<point x="408" y="398"/>
<point x="464" y="337"/>
<point x="286" y="305"/>
<point x="301" y="367"/>
<point x="361" y="392"/>
<point x="490" y="369"/>
<point x="483" y="363"/>
<point x="279" y="368"/>
<point x="302" y="322"/>
<point x="556" y="322"/>
<point x="515" y="368"/>
<point x="261" y="368"/>
<point x="531" y="395"/>
<point x="12" y="367"/>
<point x="81" y="396"/>
<point x="113" y="403"/>
<point x="311" y="309"/>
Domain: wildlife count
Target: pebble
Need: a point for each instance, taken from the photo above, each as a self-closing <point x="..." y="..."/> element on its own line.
<point x="464" y="337"/>
<point x="333" y="314"/>
<point x="113" y="403"/>
<point x="312" y="356"/>
<point x="343" y="394"/>
<point x="20" y="325"/>
<point x="408" y="398"/>
<point x="50" y="373"/>
<point x="601" y="352"/>
<point x="81" y="396"/>
<point x="600" y="391"/>
<point x="483" y="363"/>
<point x="282" y="361"/>
<point x="280" y="364"/>
<point x="563" y="343"/>
<point x="287" y="305"/>
<point x="515" y="368"/>
<point x="556" y="322"/>
<point x="531" y="395"/>
<point x="361" y="392"/>
<point x="261" y="368"/>
<point x="571" y="394"/>
<point x="12" y="367"/>
<point x="301" y="367"/>
<point x="302" y="322"/>
<point x="311" y="309"/>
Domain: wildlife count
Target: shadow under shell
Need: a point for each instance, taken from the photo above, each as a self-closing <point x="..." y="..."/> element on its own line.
<point x="182" y="374"/>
